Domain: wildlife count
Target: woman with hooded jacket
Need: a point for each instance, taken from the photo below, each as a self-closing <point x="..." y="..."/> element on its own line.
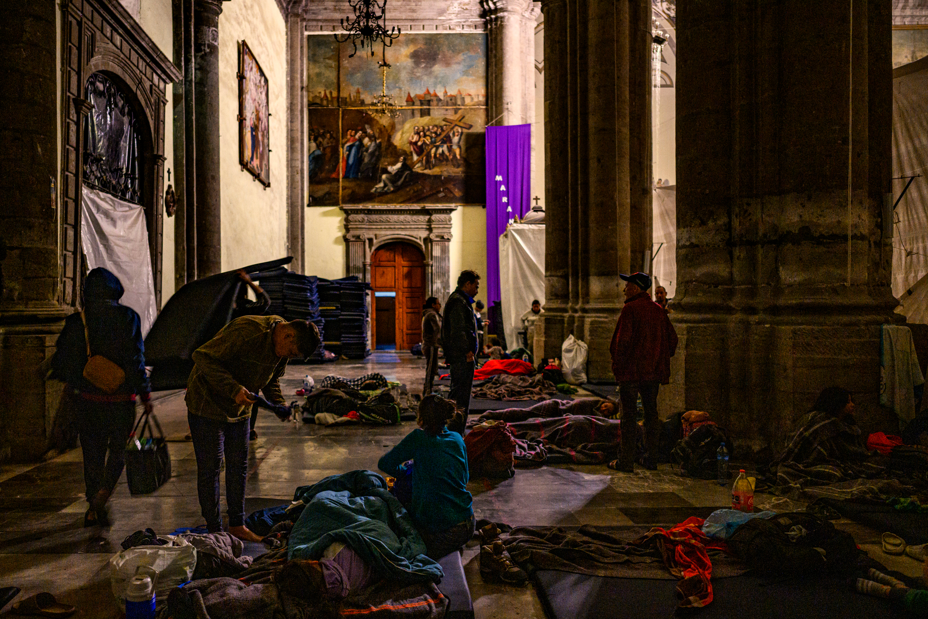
<point x="104" y="419"/>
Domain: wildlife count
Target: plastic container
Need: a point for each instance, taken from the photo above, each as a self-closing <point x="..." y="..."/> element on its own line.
<point x="721" y="457"/>
<point x="742" y="494"/>
<point x="140" y="598"/>
<point x="308" y="383"/>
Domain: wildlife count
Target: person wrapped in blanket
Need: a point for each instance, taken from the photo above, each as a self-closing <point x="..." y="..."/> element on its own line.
<point x="441" y="506"/>
<point x="376" y="408"/>
<point x="827" y="447"/>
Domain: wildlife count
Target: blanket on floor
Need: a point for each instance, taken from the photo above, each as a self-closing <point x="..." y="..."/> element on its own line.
<point x="825" y="450"/>
<point x="370" y="381"/>
<point x="514" y="388"/>
<point x="546" y="409"/>
<point x="575" y="439"/>
<point x="377" y="407"/>
<point x="357" y="509"/>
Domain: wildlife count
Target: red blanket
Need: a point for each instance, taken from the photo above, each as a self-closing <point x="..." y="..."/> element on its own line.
<point x="493" y="367"/>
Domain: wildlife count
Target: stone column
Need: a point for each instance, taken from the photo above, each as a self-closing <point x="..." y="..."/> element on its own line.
<point x="511" y="54"/>
<point x="296" y="141"/>
<point x="782" y="173"/>
<point x="206" y="137"/>
<point x="597" y="89"/>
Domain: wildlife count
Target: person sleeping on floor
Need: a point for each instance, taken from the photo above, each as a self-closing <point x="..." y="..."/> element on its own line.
<point x="591" y="407"/>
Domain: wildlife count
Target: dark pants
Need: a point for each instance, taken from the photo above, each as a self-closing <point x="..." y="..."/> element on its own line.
<point x="441" y="543"/>
<point x="254" y="416"/>
<point x="628" y="393"/>
<point x="212" y="440"/>
<point x="431" y="367"/>
<point x="462" y="379"/>
<point x="103" y="427"/>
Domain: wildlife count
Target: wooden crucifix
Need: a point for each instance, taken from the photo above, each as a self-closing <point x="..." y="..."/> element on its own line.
<point x="450" y="124"/>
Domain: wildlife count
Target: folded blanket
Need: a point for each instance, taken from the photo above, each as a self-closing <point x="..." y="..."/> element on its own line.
<point x="515" y="388"/>
<point x="357" y="510"/>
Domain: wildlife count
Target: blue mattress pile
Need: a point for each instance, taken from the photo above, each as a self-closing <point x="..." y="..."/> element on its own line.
<point x="343" y="306"/>
<point x="294" y="297"/>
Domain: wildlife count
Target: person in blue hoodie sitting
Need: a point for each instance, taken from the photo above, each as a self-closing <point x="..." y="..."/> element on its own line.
<point x="441" y="506"/>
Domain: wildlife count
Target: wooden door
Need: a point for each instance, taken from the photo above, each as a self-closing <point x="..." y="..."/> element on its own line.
<point x="398" y="268"/>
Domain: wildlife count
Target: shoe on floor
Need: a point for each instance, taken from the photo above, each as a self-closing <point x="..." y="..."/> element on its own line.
<point x="488" y="534"/>
<point x="496" y="565"/>
<point x="44" y="605"/>
<point x="919" y="552"/>
<point x="253" y="435"/>
<point x="617" y="465"/>
<point x="893" y="544"/>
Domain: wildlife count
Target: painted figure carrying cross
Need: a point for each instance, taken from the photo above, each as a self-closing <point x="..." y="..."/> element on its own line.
<point x="450" y="124"/>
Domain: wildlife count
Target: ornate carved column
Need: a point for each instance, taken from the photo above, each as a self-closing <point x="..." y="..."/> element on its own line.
<point x="597" y="150"/>
<point x="783" y="275"/>
<point x="206" y="137"/>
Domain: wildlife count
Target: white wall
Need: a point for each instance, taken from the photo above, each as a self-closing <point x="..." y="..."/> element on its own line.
<point x="469" y="244"/>
<point x="325" y="247"/>
<point x="254" y="219"/>
<point x="156" y="18"/>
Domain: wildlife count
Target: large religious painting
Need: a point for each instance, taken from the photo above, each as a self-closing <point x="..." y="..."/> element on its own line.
<point x="909" y="44"/>
<point x="253" y="115"/>
<point x="430" y="151"/>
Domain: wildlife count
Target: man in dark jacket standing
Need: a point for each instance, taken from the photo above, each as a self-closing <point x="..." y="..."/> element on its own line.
<point x="642" y="345"/>
<point x="459" y="339"/>
<point x="431" y="340"/>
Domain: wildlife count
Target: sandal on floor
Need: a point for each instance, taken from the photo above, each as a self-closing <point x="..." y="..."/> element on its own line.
<point x="44" y="605"/>
<point x="615" y="465"/>
<point x="7" y="594"/>
<point x="919" y="552"/>
<point x="893" y="544"/>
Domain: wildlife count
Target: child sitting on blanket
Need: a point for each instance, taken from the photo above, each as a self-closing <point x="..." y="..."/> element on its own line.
<point x="441" y="505"/>
<point x="915" y="601"/>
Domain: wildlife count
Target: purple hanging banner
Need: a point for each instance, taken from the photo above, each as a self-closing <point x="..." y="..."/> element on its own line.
<point x="509" y="190"/>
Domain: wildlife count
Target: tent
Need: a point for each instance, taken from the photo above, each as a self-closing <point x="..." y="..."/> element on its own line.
<point x="522" y="275"/>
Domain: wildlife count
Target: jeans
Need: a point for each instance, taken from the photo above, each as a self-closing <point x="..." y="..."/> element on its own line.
<point x="211" y="441"/>
<point x="628" y="393"/>
<point x="431" y="367"/>
<point x="104" y="429"/>
<point x="441" y="543"/>
<point x="462" y="379"/>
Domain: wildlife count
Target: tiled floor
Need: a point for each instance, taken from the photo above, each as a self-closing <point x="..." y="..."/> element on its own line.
<point x="43" y="546"/>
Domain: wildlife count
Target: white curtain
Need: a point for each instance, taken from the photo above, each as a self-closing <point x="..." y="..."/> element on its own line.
<point x="114" y="236"/>
<point x="522" y="275"/>
<point x="664" y="265"/>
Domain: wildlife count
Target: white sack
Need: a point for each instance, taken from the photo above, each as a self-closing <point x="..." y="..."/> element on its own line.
<point x="167" y="566"/>
<point x="573" y="360"/>
<point x="521" y="276"/>
<point x="114" y="236"/>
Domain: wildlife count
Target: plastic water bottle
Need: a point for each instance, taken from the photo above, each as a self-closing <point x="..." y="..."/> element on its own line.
<point x="721" y="457"/>
<point x="742" y="494"/>
<point x="308" y="383"/>
<point x="140" y="598"/>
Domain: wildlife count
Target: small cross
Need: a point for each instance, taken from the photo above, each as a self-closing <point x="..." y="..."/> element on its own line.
<point x="169" y="175"/>
<point x="536" y="199"/>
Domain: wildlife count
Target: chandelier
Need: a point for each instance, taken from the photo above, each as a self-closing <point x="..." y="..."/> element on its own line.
<point x="384" y="105"/>
<point x="368" y="25"/>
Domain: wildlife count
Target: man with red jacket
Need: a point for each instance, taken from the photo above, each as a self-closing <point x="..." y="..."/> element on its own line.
<point x="642" y="345"/>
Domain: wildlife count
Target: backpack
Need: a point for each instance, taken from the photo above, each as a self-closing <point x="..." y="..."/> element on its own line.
<point x="490" y="447"/>
<point x="696" y="454"/>
<point x="794" y="543"/>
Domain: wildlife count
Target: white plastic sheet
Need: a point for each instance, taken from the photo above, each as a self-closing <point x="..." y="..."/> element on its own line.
<point x="664" y="265"/>
<point x="522" y="275"/>
<point x="168" y="566"/>
<point x="910" y="158"/>
<point x="114" y="236"/>
<point x="914" y="303"/>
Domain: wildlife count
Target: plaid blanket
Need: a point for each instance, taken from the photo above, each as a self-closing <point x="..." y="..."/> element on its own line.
<point x="515" y="388"/>
<point x="368" y="382"/>
<point x="575" y="439"/>
<point x="827" y="451"/>
<point x="546" y="409"/>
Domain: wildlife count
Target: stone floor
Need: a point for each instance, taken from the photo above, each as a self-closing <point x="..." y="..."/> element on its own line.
<point x="43" y="546"/>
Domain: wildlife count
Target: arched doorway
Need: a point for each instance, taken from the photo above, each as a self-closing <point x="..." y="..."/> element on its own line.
<point x="398" y="283"/>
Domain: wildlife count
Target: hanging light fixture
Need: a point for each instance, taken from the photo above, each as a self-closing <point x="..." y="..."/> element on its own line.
<point x="368" y="26"/>
<point x="385" y="106"/>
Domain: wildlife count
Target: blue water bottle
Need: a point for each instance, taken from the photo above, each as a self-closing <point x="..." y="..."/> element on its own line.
<point x="721" y="457"/>
<point x="140" y="598"/>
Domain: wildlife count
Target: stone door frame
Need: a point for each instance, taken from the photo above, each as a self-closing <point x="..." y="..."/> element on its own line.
<point x="428" y="228"/>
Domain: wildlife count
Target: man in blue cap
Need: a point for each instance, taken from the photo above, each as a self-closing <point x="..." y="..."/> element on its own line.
<point x="642" y="345"/>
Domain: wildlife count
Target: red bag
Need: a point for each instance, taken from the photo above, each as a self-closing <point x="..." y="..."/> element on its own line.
<point x="490" y="447"/>
<point x="883" y="443"/>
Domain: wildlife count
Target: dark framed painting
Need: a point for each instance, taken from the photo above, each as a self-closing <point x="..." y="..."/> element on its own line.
<point x="431" y="151"/>
<point x="254" y="117"/>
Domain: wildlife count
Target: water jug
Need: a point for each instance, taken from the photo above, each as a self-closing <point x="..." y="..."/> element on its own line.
<point x="140" y="598"/>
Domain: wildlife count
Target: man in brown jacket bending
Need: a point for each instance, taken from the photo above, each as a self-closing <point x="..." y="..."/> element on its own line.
<point x="248" y="354"/>
<point x="642" y="345"/>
